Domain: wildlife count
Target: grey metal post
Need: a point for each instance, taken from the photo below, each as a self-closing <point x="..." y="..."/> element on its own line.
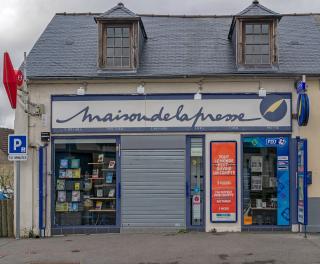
<point x="17" y="213"/>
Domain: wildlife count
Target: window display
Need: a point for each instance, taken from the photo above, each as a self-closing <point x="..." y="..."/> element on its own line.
<point x="86" y="181"/>
<point x="266" y="181"/>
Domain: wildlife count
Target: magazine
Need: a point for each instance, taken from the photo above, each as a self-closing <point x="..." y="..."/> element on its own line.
<point x="75" y="196"/>
<point x="75" y="164"/>
<point x="112" y="163"/>
<point x="61" y="185"/>
<point x="64" y="164"/>
<point x="62" y="196"/>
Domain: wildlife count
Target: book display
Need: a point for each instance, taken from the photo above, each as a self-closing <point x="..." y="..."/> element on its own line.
<point x="86" y="187"/>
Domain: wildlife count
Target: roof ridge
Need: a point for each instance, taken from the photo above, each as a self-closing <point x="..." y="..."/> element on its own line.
<point x="181" y="16"/>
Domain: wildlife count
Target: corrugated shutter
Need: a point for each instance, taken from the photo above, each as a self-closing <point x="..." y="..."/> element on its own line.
<point x="153" y="182"/>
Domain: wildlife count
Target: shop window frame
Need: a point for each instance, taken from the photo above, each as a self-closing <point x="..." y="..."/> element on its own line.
<point x="85" y="229"/>
<point x="291" y="189"/>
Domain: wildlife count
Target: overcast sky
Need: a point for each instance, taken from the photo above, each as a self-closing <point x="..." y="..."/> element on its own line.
<point x="22" y="21"/>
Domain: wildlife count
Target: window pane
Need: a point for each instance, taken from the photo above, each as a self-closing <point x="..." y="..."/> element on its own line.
<point x="257" y="28"/>
<point x="118" y="32"/>
<point x="117" y="62"/>
<point x="265" y="59"/>
<point x="110" y="42"/>
<point x="117" y="52"/>
<point x="118" y="42"/>
<point x="125" y="62"/>
<point x="110" y="61"/>
<point x="249" y="28"/>
<point x="252" y="59"/>
<point x="110" y="32"/>
<point x="125" y="52"/>
<point x="264" y="39"/>
<point x="264" y="49"/>
<point x="265" y="28"/>
<point x="110" y="52"/>
<point x="125" y="32"/>
<point x="125" y="42"/>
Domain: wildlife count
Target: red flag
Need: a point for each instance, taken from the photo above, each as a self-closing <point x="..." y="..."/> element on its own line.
<point x="11" y="80"/>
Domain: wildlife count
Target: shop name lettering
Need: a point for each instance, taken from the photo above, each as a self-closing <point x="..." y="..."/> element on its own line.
<point x="160" y="116"/>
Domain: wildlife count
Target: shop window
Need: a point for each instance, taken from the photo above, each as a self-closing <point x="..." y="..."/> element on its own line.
<point x="266" y="181"/>
<point x="196" y="189"/>
<point x="85" y="184"/>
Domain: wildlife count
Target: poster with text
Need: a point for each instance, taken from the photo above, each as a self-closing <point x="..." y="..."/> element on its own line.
<point x="223" y="181"/>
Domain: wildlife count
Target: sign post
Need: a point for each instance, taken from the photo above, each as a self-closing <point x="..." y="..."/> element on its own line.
<point x="17" y="150"/>
<point x="302" y="183"/>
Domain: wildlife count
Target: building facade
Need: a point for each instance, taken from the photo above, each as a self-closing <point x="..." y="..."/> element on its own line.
<point x="170" y="122"/>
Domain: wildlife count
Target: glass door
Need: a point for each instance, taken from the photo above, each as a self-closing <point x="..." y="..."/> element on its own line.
<point x="195" y="182"/>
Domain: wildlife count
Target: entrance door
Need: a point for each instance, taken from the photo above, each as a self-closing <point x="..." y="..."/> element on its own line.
<point x="153" y="182"/>
<point x="266" y="185"/>
<point x="195" y="182"/>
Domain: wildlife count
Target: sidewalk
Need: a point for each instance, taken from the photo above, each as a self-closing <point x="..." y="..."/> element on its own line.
<point x="193" y="248"/>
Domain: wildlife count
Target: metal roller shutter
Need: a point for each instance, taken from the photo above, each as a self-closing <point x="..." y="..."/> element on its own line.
<point x="153" y="182"/>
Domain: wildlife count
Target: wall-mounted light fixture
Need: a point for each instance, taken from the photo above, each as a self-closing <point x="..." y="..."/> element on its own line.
<point x="82" y="89"/>
<point x="262" y="92"/>
<point x="140" y="88"/>
<point x="198" y="95"/>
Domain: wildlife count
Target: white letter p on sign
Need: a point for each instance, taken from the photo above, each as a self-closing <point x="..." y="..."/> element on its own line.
<point x="16" y="143"/>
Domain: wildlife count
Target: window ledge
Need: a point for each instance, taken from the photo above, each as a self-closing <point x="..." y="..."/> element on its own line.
<point x="258" y="68"/>
<point x="103" y="71"/>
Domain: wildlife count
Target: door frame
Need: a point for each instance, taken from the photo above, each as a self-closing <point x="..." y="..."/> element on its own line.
<point x="267" y="227"/>
<point x="188" y="181"/>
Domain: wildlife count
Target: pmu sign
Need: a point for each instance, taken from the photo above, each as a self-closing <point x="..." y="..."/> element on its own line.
<point x="17" y="147"/>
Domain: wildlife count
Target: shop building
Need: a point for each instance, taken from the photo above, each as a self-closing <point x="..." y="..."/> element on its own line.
<point x="169" y="122"/>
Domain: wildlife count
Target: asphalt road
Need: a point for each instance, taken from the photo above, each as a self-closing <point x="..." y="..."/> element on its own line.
<point x="164" y="248"/>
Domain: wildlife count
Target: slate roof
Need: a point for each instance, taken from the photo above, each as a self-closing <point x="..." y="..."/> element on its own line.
<point x="177" y="46"/>
<point x="119" y="11"/>
<point x="256" y="9"/>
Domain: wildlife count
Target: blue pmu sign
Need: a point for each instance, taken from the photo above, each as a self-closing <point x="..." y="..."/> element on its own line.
<point x="17" y="147"/>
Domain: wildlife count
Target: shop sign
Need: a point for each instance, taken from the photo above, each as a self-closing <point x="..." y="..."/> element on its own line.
<point x="171" y="112"/>
<point x="223" y="181"/>
<point x="302" y="181"/>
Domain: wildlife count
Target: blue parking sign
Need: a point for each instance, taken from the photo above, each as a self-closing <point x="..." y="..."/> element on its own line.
<point x="17" y="145"/>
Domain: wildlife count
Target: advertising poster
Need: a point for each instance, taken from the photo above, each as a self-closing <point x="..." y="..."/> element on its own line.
<point x="223" y="181"/>
<point x="302" y="181"/>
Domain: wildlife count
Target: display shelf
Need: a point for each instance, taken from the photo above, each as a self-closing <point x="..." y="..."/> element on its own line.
<point x="96" y="163"/>
<point x="267" y="208"/>
<point x="108" y="169"/>
<point x="101" y="210"/>
<point x="100" y="178"/>
<point x="69" y="178"/>
<point x="104" y="185"/>
<point x="102" y="198"/>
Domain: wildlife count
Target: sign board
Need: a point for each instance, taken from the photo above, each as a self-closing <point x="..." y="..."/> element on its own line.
<point x="196" y="207"/>
<point x="302" y="181"/>
<point x="223" y="181"/>
<point x="45" y="136"/>
<point x="17" y="147"/>
<point x="171" y="112"/>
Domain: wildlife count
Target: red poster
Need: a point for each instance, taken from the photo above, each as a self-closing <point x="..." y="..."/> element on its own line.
<point x="223" y="181"/>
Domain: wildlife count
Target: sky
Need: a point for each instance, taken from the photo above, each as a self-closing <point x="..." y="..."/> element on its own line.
<point x="23" y="21"/>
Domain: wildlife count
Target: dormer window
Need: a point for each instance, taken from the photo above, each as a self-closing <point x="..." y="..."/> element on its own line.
<point x="118" y="53"/>
<point x="256" y="39"/>
<point x="254" y="35"/>
<point x="120" y="40"/>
